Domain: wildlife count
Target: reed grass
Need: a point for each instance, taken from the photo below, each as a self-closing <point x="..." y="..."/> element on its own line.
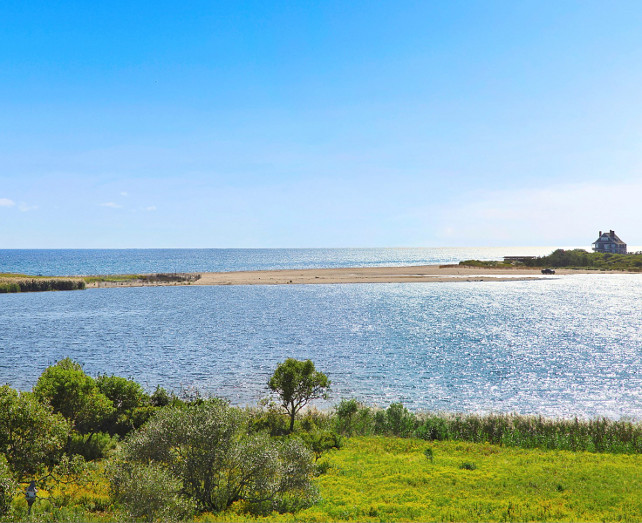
<point x="14" y="283"/>
<point x="592" y="435"/>
<point x="511" y="430"/>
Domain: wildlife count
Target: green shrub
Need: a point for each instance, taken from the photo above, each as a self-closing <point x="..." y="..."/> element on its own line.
<point x="91" y="446"/>
<point x="126" y="397"/>
<point x="270" y="419"/>
<point x="399" y="421"/>
<point x="75" y="395"/>
<point x="433" y="428"/>
<point x="346" y="412"/>
<point x="160" y="397"/>
<point x="208" y="448"/>
<point x="321" y="441"/>
<point x="8" y="487"/>
<point x="32" y="437"/>
<point x="315" y="420"/>
<point x="150" y="492"/>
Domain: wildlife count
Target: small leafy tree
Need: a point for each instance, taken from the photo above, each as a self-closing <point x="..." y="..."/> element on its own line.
<point x="76" y="396"/>
<point x="297" y="383"/>
<point x="126" y="396"/>
<point x="31" y="436"/>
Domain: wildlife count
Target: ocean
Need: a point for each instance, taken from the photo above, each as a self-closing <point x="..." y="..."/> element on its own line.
<point x="568" y="346"/>
<point x="68" y="262"/>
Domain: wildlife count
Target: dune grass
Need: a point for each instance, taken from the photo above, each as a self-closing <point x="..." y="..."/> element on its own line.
<point x="143" y="278"/>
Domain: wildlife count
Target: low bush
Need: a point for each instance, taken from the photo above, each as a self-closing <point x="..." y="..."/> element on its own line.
<point x="218" y="461"/>
<point x="91" y="446"/>
<point x="149" y="491"/>
<point x="32" y="437"/>
<point x="321" y="441"/>
<point x="8" y="487"/>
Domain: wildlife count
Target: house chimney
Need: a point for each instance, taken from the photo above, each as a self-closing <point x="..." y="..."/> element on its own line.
<point x="611" y="233"/>
<point x="600" y="235"/>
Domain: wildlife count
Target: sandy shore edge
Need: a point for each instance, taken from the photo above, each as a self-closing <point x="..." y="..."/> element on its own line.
<point x="421" y="273"/>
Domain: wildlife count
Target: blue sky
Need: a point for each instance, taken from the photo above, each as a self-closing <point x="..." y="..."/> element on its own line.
<point x="319" y="124"/>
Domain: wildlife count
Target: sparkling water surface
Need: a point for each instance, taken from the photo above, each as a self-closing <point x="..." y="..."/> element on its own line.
<point x="67" y="262"/>
<point x="559" y="347"/>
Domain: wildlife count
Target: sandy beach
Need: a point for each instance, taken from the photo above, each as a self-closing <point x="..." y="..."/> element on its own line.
<point x="423" y="273"/>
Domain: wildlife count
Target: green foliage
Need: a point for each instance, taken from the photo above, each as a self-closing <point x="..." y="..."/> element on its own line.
<point x="297" y="383"/>
<point x="321" y="441"/>
<point x="127" y="398"/>
<point x="124" y="394"/>
<point x="75" y="395"/>
<point x="9" y="287"/>
<point x="160" y="397"/>
<point x="572" y="259"/>
<point x="32" y="437"/>
<point x="91" y="446"/>
<point x="399" y="421"/>
<point x="594" y="435"/>
<point x="434" y="428"/>
<point x="354" y="418"/>
<point x="346" y="411"/>
<point x="150" y="492"/>
<point x="270" y="419"/>
<point x="8" y="487"/>
<point x="208" y="448"/>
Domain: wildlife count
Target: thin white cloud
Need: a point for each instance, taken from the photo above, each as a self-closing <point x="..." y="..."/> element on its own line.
<point x="26" y="208"/>
<point x="6" y="202"/>
<point x="150" y="208"/>
<point x="111" y="205"/>
<point x="125" y="194"/>
<point x="555" y="215"/>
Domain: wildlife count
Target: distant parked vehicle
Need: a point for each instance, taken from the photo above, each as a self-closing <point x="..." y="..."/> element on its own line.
<point x="548" y="271"/>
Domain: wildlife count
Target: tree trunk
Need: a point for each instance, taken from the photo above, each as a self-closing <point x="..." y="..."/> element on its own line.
<point x="292" y="413"/>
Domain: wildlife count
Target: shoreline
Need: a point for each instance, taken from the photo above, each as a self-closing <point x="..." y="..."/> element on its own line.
<point x="408" y="274"/>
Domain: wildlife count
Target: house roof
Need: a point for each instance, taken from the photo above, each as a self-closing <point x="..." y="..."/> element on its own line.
<point x="609" y="237"/>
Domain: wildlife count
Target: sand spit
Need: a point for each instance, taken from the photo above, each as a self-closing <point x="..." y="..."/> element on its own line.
<point x="423" y="273"/>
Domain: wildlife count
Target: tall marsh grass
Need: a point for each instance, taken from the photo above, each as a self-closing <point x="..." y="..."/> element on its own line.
<point x="593" y="435"/>
<point x="39" y="285"/>
<point x="513" y="430"/>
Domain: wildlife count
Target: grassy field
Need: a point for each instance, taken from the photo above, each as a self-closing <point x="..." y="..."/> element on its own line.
<point x="392" y="479"/>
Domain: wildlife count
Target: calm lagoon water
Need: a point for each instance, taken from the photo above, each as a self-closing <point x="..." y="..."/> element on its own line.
<point x="560" y="347"/>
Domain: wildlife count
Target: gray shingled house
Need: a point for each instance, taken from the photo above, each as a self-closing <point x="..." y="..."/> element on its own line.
<point x="609" y="242"/>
